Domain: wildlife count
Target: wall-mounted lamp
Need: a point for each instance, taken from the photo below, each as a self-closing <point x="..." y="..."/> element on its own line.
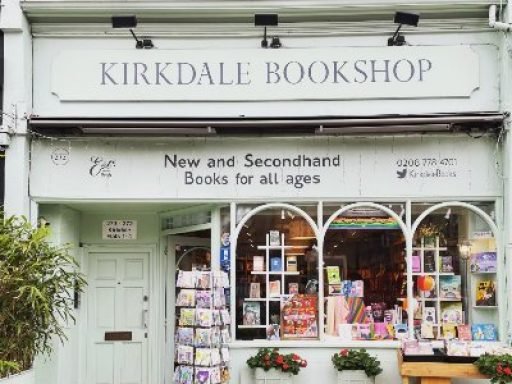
<point x="267" y="20"/>
<point x="131" y="22"/>
<point x="402" y="18"/>
<point x="448" y="214"/>
<point x="465" y="249"/>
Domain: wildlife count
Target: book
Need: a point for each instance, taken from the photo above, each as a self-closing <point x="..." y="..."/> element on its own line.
<point x="427" y="330"/>
<point x="291" y="263"/>
<point x="464" y="332"/>
<point x="486" y="293"/>
<point x="334" y="289"/>
<point x="346" y="287"/>
<point x="258" y="263"/>
<point x="274" y="239"/>
<point x="451" y="312"/>
<point x="276" y="264"/>
<point x="450" y="287"/>
<point x="416" y="263"/>
<point x="333" y="275"/>
<point x="446" y="264"/>
<point x="251" y="313"/>
<point x="429" y="315"/>
<point x="274" y="289"/>
<point x="429" y="262"/>
<point x="449" y="331"/>
<point x="483" y="262"/>
<point x="254" y="292"/>
<point x="457" y="348"/>
<point x="484" y="332"/>
<point x="357" y="288"/>
<point x="293" y="288"/>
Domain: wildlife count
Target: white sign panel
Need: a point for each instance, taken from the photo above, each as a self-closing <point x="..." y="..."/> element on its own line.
<point x="266" y="169"/>
<point x="252" y="75"/>
<point x="119" y="230"/>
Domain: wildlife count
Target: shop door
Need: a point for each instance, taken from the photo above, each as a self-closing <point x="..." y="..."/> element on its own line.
<point x="118" y="305"/>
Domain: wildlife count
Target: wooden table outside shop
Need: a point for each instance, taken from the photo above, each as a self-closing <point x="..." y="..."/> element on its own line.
<point x="436" y="373"/>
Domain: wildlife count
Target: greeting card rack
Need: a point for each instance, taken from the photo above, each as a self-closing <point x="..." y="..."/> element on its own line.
<point x="202" y="328"/>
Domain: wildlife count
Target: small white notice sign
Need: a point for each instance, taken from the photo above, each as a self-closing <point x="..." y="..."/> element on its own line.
<point x="119" y="229"/>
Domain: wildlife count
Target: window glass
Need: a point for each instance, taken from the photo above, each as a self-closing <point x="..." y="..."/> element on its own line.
<point x="364" y="258"/>
<point x="276" y="277"/>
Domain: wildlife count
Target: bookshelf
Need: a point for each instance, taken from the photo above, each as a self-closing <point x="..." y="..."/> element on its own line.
<point x="446" y="285"/>
<point x="268" y="277"/>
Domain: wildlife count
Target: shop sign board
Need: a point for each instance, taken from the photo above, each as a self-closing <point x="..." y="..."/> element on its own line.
<point x="119" y="230"/>
<point x="294" y="168"/>
<point x="346" y="73"/>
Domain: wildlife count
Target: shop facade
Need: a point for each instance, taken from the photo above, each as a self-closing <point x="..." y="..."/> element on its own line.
<point x="147" y="161"/>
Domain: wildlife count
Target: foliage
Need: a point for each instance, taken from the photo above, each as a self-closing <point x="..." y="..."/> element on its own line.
<point x="356" y="360"/>
<point x="432" y="230"/>
<point x="8" y="368"/>
<point x="497" y="367"/>
<point x="37" y="280"/>
<point x="267" y="358"/>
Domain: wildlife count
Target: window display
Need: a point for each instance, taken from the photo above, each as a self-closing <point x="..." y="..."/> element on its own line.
<point x="364" y="289"/>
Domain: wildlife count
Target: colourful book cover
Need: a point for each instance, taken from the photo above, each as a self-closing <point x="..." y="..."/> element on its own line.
<point x="254" y="292"/>
<point x="452" y="313"/>
<point x="484" y="332"/>
<point x="258" y="263"/>
<point x="274" y="288"/>
<point x="450" y="287"/>
<point x="251" y="313"/>
<point x="346" y="287"/>
<point x="276" y="264"/>
<point x="333" y="275"/>
<point x="483" y="262"/>
<point x="293" y="288"/>
<point x="486" y="293"/>
<point x="464" y="332"/>
<point x="449" y="331"/>
<point x="446" y="264"/>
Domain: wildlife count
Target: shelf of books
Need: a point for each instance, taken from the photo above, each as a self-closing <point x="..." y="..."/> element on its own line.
<point x="274" y="294"/>
<point x="202" y="328"/>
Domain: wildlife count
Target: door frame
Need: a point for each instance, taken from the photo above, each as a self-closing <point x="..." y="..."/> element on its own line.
<point x="156" y="300"/>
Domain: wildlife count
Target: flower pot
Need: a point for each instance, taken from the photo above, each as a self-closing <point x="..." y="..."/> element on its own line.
<point x="26" y="377"/>
<point x="272" y="376"/>
<point x="354" y="377"/>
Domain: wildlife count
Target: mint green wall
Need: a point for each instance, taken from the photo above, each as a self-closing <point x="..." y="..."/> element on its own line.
<point x="148" y="228"/>
<point x="62" y="366"/>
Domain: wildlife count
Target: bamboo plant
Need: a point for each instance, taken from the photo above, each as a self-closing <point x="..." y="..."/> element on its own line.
<point x="37" y="282"/>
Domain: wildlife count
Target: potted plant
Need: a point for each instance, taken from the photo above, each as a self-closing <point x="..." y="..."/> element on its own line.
<point x="272" y="367"/>
<point x="356" y="366"/>
<point x="37" y="281"/>
<point x="429" y="232"/>
<point x="497" y="367"/>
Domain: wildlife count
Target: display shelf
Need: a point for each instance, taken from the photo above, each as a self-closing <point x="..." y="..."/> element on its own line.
<point x="483" y="273"/>
<point x="274" y="247"/>
<point x="485" y="306"/>
<point x="286" y="273"/>
<point x="241" y="326"/>
<point x="263" y="299"/>
<point x="434" y="255"/>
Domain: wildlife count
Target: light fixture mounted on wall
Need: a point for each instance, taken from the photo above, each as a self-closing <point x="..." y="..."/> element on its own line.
<point x="465" y="249"/>
<point x="402" y="18"/>
<point x="267" y="20"/>
<point x="130" y="22"/>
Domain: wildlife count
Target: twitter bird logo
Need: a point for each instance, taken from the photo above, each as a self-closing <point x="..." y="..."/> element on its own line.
<point x="401" y="174"/>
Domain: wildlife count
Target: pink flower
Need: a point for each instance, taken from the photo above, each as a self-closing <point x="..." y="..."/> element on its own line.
<point x="344" y="352"/>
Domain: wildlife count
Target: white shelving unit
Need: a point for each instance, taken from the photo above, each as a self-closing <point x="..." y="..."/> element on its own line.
<point x="271" y="251"/>
<point x="436" y="274"/>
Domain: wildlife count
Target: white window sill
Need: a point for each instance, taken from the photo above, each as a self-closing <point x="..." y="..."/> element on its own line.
<point x="328" y="342"/>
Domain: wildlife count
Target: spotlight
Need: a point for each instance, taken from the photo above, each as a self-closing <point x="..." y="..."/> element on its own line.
<point x="131" y="22"/>
<point x="275" y="43"/>
<point x="402" y="211"/>
<point x="402" y="18"/>
<point x="266" y="20"/>
<point x="448" y="214"/>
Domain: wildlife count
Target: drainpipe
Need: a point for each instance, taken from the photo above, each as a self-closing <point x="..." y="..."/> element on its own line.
<point x="498" y="25"/>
